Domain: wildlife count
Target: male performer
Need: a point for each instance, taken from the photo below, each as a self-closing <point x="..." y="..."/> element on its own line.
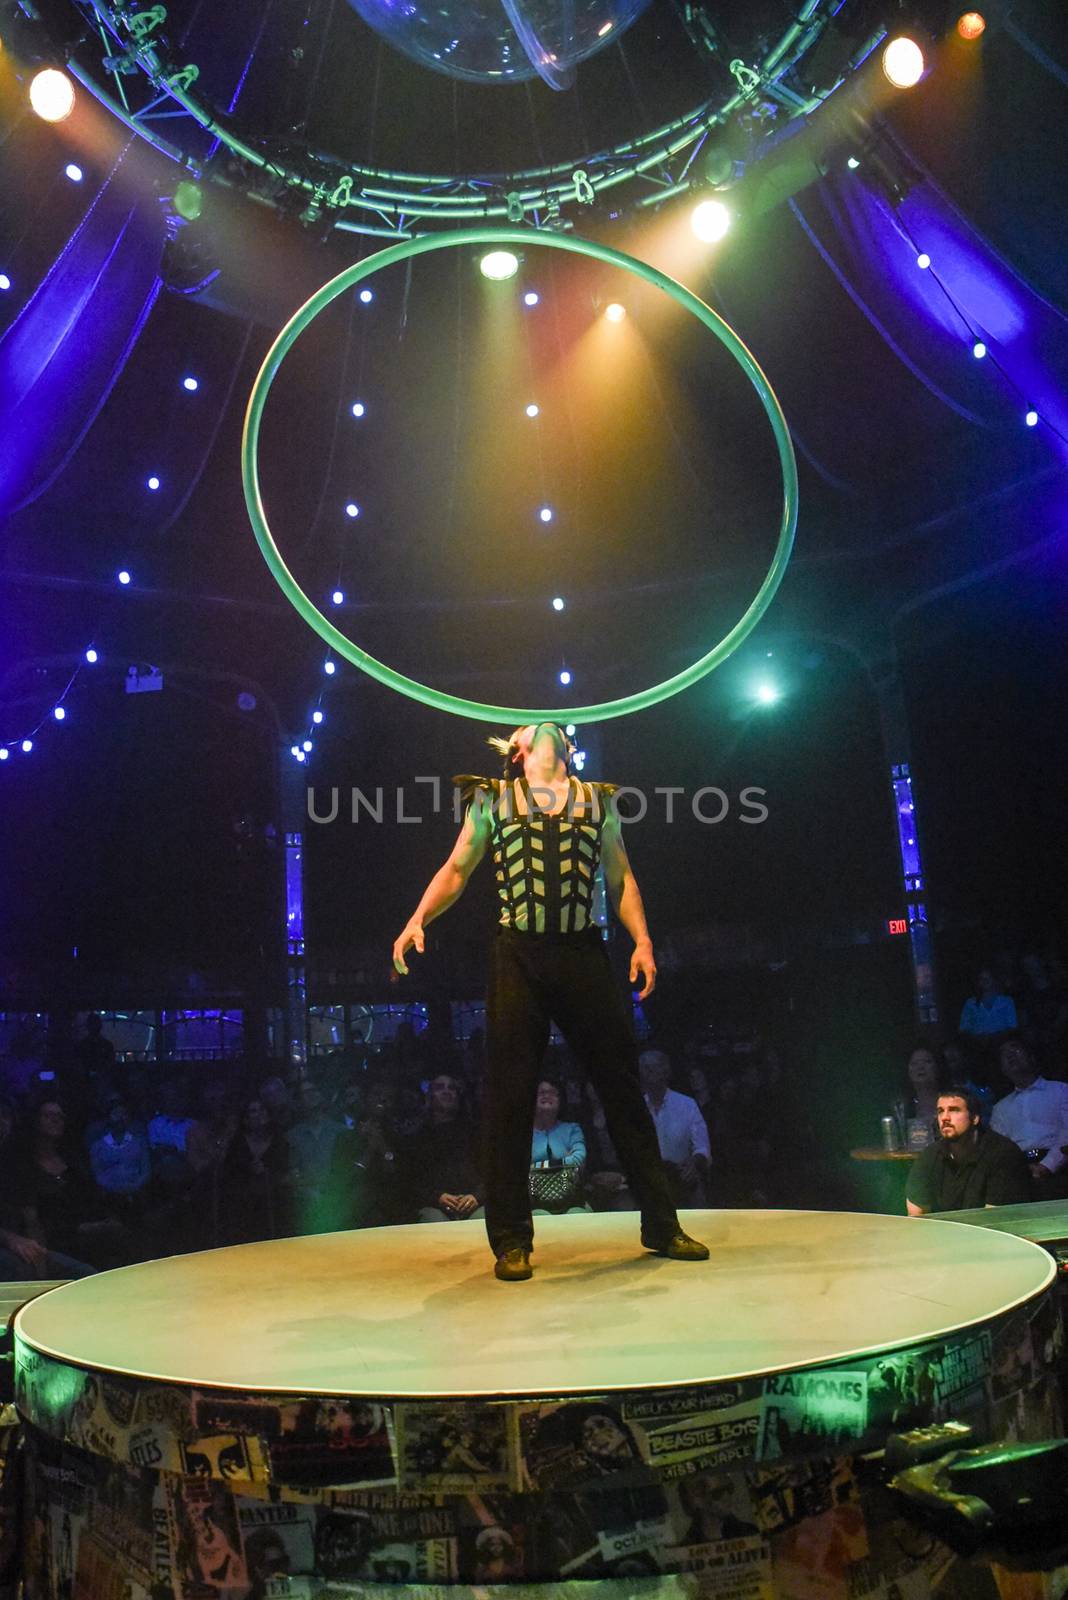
<point x="548" y="833"/>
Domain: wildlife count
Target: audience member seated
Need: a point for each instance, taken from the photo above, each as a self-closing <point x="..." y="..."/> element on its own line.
<point x="366" y="1173"/>
<point x="1043" y="1006"/>
<point x="62" y="1207"/>
<point x="22" y="1256"/>
<point x="925" y="1081"/>
<point x="987" y="1013"/>
<point x="1034" y="1115"/>
<point x="606" y="1187"/>
<point x="254" y="1181"/>
<point x="680" y="1129"/>
<point x="276" y="1096"/>
<point x="557" y="1148"/>
<point x="970" y="1165"/>
<point x="119" y="1156"/>
<point x="169" y="1128"/>
<point x="444" y="1180"/>
<point x="210" y="1136"/>
<point x="312" y="1138"/>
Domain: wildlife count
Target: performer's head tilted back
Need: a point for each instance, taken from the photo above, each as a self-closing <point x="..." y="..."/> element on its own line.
<point x="544" y="744"/>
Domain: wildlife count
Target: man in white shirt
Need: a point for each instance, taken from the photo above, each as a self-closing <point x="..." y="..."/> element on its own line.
<point x="1034" y="1116"/>
<point x="680" y="1129"/>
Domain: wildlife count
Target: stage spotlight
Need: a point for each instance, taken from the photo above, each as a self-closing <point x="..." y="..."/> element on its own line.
<point x="767" y="694"/>
<point x="499" y="265"/>
<point x="298" y="752"/>
<point x="531" y="298"/>
<point x="565" y="677"/>
<point x="352" y="509"/>
<point x="358" y="408"/>
<point x="60" y="714"/>
<point x="546" y="513"/>
<point x="971" y="25"/>
<point x="978" y="349"/>
<point x="330" y="667"/>
<point x="366" y="296"/>
<point x="188" y="200"/>
<point x="52" y="95"/>
<point x="903" y="62"/>
<point x="153" y="484"/>
<point x="853" y="163"/>
<point x="615" y="312"/>
<point x="570" y="730"/>
<point x="294" y="750"/>
<point x="317" y="717"/>
<point x="27" y="746"/>
<point x="191" y="385"/>
<point x="308" y="745"/>
<point x="923" y="261"/>
<point x="1031" y="418"/>
<point x="246" y="701"/>
<point x="91" y="656"/>
<point x="558" y="604"/>
<point x="533" y="410"/>
<point x="710" y="221"/>
<point x="338" y="598"/>
<point x="5" y="281"/>
<point x="74" y="172"/>
<point x="4" y="752"/>
<point x="124" y="577"/>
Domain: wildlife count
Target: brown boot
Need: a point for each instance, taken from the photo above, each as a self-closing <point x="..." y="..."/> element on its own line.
<point x="679" y="1247"/>
<point x="514" y="1265"/>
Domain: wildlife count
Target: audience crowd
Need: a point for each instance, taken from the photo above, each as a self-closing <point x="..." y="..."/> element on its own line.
<point x="105" y="1162"/>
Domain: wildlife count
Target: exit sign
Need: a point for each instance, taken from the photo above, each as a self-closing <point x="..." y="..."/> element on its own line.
<point x="897" y="925"/>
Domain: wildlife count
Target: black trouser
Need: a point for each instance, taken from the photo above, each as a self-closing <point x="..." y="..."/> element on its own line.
<point x="536" y="979"/>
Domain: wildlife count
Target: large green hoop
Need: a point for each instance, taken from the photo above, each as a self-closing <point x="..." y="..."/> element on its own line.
<point x="437" y="697"/>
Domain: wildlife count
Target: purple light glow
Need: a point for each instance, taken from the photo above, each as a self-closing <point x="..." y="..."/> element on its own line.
<point x="926" y="317"/>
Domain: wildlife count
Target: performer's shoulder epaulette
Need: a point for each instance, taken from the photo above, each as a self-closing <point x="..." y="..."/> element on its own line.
<point x="470" y="784"/>
<point x="605" y="790"/>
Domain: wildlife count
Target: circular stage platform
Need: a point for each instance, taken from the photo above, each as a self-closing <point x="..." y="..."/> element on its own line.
<point x="320" y="1415"/>
<point x="406" y="1313"/>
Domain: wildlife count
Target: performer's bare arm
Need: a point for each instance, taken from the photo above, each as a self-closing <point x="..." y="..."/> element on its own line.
<point x="449" y="882"/>
<point x="627" y="900"/>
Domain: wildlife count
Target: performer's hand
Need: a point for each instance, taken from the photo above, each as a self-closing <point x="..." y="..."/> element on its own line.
<point x="642" y="961"/>
<point x="411" y="938"/>
<point x="465" y="1204"/>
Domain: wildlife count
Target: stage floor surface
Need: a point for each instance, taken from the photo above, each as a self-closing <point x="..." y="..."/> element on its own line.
<point x="415" y="1312"/>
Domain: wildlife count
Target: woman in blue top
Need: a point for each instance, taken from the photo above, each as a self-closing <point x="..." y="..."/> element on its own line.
<point x="554" y="1140"/>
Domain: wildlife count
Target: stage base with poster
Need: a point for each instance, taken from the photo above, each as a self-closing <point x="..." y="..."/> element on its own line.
<point x="373" y="1413"/>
